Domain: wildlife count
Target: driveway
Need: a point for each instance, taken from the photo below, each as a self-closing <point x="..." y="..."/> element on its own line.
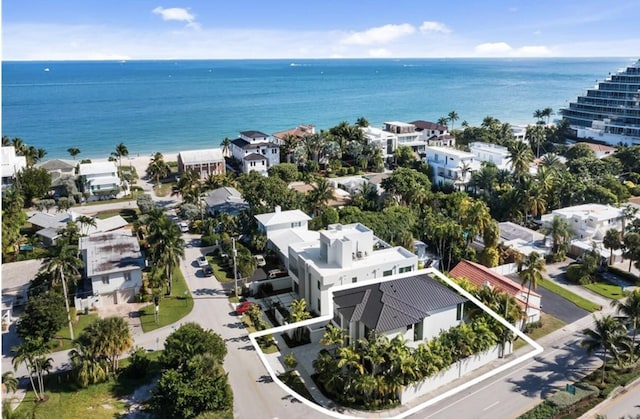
<point x="560" y="308"/>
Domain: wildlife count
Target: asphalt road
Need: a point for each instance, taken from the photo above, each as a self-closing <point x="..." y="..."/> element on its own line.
<point x="626" y="404"/>
<point x="559" y="307"/>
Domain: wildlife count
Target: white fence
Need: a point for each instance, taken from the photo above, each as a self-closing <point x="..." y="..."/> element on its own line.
<point x="455" y="371"/>
<point x="278" y="284"/>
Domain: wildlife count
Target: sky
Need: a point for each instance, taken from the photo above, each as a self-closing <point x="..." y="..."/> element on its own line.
<point x="297" y="29"/>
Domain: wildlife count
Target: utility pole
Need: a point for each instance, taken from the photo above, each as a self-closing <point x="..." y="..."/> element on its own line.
<point x="235" y="266"/>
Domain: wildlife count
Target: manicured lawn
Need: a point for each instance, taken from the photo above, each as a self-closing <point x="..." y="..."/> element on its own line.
<point x="172" y="308"/>
<point x="568" y="295"/>
<point x="132" y="197"/>
<point x="549" y="324"/>
<point x="62" y="339"/>
<point x="606" y="289"/>
<point x="67" y="400"/>
<point x="221" y="274"/>
<point x="129" y="214"/>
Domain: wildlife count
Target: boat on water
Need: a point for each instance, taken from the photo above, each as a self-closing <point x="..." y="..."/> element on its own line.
<point x="610" y="111"/>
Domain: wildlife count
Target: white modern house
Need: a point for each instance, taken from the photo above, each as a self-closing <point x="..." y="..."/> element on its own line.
<point x="451" y="165"/>
<point x="283" y="228"/>
<point x="343" y="254"/>
<point x="384" y="140"/>
<point x="101" y="179"/>
<point x="519" y="133"/>
<point x="256" y="151"/>
<point x="491" y="153"/>
<point x="204" y="162"/>
<point x="414" y="306"/>
<point x="11" y="165"/>
<point x="589" y="224"/>
<point x="113" y="266"/>
<point x="406" y="135"/>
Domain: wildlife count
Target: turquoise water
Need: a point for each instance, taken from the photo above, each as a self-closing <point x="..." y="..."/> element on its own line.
<point x="171" y="106"/>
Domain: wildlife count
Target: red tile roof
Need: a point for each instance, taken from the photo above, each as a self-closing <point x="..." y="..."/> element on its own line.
<point x="479" y="275"/>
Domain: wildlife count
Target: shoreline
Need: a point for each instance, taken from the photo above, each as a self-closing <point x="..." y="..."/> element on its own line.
<point x="139" y="162"/>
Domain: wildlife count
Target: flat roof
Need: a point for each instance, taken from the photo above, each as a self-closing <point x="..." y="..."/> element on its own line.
<point x="110" y="252"/>
<point x="201" y="156"/>
<point x="450" y="151"/>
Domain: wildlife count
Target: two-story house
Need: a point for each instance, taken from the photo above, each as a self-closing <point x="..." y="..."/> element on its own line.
<point x="491" y="153"/>
<point x="343" y="254"/>
<point x="204" y="162"/>
<point x="416" y="306"/>
<point x="434" y="134"/>
<point x="11" y="165"/>
<point x="451" y="166"/>
<point x="406" y="136"/>
<point x="384" y="140"/>
<point x="100" y="179"/>
<point x="113" y="266"/>
<point x="256" y="151"/>
<point x="283" y="228"/>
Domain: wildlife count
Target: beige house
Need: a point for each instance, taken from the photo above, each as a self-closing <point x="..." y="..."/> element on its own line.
<point x="204" y="162"/>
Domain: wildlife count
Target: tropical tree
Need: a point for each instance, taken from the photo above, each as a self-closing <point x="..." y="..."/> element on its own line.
<point x="85" y="222"/>
<point x="452" y="117"/>
<point x="546" y="113"/>
<point x="631" y="245"/>
<point x="531" y="275"/>
<point x="166" y="246"/>
<point x="111" y="337"/>
<point x="612" y="242"/>
<point x="120" y="152"/>
<point x="298" y="313"/>
<point x="629" y="309"/>
<point x="560" y="233"/>
<point x="9" y="382"/>
<point x="607" y="335"/>
<point x="319" y="195"/>
<point x="158" y="169"/>
<point x="64" y="266"/>
<point x="443" y="121"/>
<point x="189" y="340"/>
<point x="73" y="152"/>
<point x="520" y="156"/>
<point x="88" y="365"/>
<point x="29" y="352"/>
<point x="226" y="147"/>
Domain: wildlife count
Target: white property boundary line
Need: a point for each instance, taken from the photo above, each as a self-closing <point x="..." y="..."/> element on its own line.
<point x="537" y="348"/>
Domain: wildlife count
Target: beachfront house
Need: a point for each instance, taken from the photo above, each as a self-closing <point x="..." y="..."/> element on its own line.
<point x="342" y="254"/>
<point x="203" y="162"/>
<point x="58" y="168"/>
<point x="416" y="307"/>
<point x="450" y="165"/>
<point x="11" y="165"/>
<point x="113" y="266"/>
<point x="434" y="134"/>
<point x="382" y="139"/>
<point x="255" y="151"/>
<point x="481" y="276"/>
<point x="100" y="180"/>
<point x="406" y="135"/>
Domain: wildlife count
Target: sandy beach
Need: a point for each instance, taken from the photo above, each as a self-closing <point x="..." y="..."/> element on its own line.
<point x="140" y="162"/>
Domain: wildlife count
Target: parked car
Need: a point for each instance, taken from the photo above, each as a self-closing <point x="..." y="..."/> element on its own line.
<point x="260" y="261"/>
<point x="184" y="227"/>
<point x="202" y="261"/>
<point x="243" y="307"/>
<point x="277" y="273"/>
<point x="207" y="270"/>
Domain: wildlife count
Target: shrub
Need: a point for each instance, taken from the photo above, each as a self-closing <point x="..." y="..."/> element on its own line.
<point x="138" y="363"/>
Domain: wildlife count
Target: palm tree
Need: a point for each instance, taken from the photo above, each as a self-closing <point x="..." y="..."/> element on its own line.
<point x="520" y="156"/>
<point x="531" y="275"/>
<point x="158" y="169"/>
<point x="86" y="222"/>
<point x="536" y="137"/>
<point x="64" y="265"/>
<point x="333" y="336"/>
<point x="73" y="151"/>
<point x="538" y="114"/>
<point x="319" y="196"/>
<point x="443" y="121"/>
<point x="607" y="334"/>
<point x="28" y="352"/>
<point x="121" y="151"/>
<point x="298" y="313"/>
<point x="89" y="367"/>
<point x="453" y="117"/>
<point x="166" y="246"/>
<point x="114" y="337"/>
<point x="560" y="233"/>
<point x="546" y="113"/>
<point x="9" y="382"/>
<point x="226" y="147"/>
<point x="630" y="311"/>
<point x="611" y="241"/>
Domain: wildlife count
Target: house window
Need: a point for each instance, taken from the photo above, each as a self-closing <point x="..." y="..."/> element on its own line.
<point x="459" y="311"/>
<point x="418" y="331"/>
<point x="405" y="269"/>
<point x="354" y="279"/>
<point x="274" y="151"/>
<point x="252" y="163"/>
<point x="387" y="273"/>
<point x="105" y="279"/>
<point x="319" y="307"/>
<point x="296" y="287"/>
<point x="296" y="224"/>
<point x="127" y="276"/>
<point x="318" y="283"/>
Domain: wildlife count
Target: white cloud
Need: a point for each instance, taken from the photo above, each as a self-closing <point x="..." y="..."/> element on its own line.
<point x="493" y="49"/>
<point x="379" y="35"/>
<point x="503" y="49"/>
<point x="179" y="14"/>
<point x="380" y="53"/>
<point x="431" y="26"/>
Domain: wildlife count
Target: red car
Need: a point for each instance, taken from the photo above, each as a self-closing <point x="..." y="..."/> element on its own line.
<point x="243" y="307"/>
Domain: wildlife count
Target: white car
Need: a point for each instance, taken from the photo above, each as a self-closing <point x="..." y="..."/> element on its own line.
<point x="260" y="260"/>
<point x="184" y="227"/>
<point x="203" y="262"/>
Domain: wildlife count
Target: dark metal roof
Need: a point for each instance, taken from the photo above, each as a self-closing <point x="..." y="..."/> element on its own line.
<point x="254" y="134"/>
<point x="239" y="142"/>
<point x="255" y="156"/>
<point x="397" y="303"/>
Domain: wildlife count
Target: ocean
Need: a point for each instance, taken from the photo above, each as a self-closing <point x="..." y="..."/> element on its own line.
<point x="170" y="106"/>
